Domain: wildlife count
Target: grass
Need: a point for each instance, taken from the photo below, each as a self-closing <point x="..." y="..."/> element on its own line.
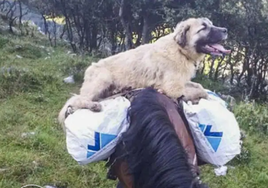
<point x="32" y="93"/>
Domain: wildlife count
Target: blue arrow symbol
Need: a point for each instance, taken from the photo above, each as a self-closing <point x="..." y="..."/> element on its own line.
<point x="101" y="140"/>
<point x="106" y="139"/>
<point x="215" y="134"/>
<point x="95" y="147"/>
<point x="214" y="142"/>
<point x="214" y="138"/>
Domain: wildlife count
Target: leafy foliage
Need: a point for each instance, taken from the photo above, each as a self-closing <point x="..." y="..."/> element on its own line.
<point x="111" y="26"/>
<point x="252" y="117"/>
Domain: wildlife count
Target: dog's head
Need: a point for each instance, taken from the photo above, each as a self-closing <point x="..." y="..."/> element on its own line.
<point x="200" y="36"/>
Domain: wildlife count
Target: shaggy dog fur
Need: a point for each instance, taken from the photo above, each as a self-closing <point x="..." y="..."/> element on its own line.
<point x="167" y="65"/>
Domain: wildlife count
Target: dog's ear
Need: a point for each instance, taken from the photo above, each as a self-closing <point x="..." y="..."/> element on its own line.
<point x="180" y="34"/>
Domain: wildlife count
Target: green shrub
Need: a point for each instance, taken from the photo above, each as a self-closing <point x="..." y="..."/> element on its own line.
<point x="244" y="157"/>
<point x="252" y="117"/>
<point x="209" y="84"/>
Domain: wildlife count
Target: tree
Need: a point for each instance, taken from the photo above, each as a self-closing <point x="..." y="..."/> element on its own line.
<point x="118" y="25"/>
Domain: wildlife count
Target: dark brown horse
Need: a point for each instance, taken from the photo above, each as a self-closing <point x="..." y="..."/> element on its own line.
<point x="157" y="151"/>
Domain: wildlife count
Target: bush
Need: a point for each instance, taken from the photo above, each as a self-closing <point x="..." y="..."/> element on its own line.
<point x="210" y="84"/>
<point x="252" y="117"/>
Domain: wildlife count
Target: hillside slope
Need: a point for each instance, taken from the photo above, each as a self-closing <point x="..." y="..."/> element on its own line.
<point x="32" y="144"/>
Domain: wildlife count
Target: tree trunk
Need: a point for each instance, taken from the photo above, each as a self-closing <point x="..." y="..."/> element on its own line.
<point x="145" y="31"/>
<point x="217" y="70"/>
<point x="125" y="24"/>
<point x="211" y="68"/>
<point x="93" y="40"/>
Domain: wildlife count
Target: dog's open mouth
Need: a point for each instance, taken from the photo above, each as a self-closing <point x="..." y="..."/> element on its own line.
<point x="215" y="49"/>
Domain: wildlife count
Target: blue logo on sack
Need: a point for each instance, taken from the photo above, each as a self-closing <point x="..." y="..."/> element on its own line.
<point x="214" y="138"/>
<point x="101" y="140"/>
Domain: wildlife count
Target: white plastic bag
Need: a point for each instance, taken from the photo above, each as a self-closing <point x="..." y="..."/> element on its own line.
<point x="214" y="97"/>
<point x="92" y="136"/>
<point x="215" y="130"/>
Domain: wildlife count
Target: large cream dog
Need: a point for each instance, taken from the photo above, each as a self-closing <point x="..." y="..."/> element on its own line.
<point x="167" y="64"/>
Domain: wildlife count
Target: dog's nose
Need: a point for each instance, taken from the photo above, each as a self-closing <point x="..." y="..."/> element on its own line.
<point x="224" y="30"/>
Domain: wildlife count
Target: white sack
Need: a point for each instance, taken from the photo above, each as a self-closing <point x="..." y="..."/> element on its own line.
<point x="215" y="130"/>
<point x="92" y="136"/>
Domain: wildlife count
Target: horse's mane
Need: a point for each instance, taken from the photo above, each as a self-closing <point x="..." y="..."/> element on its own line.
<point x="155" y="155"/>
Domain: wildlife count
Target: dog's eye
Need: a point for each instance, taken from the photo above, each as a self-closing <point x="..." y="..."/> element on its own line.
<point x="203" y="28"/>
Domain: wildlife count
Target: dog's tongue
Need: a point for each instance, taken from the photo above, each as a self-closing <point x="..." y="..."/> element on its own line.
<point x="220" y="48"/>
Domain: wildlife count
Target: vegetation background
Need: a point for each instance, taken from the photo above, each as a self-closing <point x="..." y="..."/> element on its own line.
<point x="61" y="38"/>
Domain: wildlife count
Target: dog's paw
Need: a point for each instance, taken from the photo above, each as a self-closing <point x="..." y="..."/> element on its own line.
<point x="160" y="91"/>
<point x="204" y="95"/>
<point x="95" y="106"/>
<point x="194" y="85"/>
<point x="69" y="111"/>
<point x="79" y="102"/>
<point x="192" y="101"/>
<point x="194" y="94"/>
<point x="86" y="104"/>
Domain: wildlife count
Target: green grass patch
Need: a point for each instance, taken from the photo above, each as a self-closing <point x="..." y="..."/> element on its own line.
<point x="14" y="80"/>
<point x="3" y="42"/>
<point x="26" y="51"/>
<point x="32" y="143"/>
<point x="245" y="171"/>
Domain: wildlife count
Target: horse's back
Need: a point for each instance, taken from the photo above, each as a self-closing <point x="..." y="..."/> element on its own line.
<point x="143" y="99"/>
<point x="177" y="118"/>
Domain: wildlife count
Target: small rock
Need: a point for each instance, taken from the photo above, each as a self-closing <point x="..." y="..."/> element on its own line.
<point x="5" y="70"/>
<point x="18" y="56"/>
<point x="3" y="170"/>
<point x="69" y="80"/>
<point x="221" y="171"/>
<point x="49" y="186"/>
<point x="243" y="134"/>
<point x="56" y="185"/>
<point x="27" y="134"/>
<point x="73" y="55"/>
<point x="18" y="47"/>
